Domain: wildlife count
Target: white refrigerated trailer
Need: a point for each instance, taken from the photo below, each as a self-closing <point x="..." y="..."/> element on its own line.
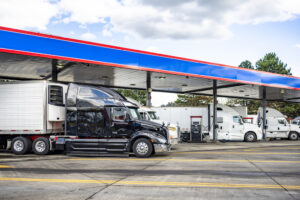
<point x="32" y="108"/>
<point x="181" y="116"/>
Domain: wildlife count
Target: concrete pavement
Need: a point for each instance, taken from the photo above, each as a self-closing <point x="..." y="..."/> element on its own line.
<point x="233" y="170"/>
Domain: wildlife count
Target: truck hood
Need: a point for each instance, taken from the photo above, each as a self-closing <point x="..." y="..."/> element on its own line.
<point x="164" y="122"/>
<point x="148" y="124"/>
<point x="295" y="127"/>
<point x="152" y="126"/>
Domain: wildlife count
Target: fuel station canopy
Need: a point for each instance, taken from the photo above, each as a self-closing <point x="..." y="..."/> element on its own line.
<point x="28" y="55"/>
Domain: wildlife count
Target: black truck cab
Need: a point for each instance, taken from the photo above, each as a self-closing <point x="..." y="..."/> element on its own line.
<point x="101" y="121"/>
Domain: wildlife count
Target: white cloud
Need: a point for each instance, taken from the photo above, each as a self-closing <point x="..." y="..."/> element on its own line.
<point x="107" y="30"/>
<point x="179" y="19"/>
<point x="297" y="45"/>
<point x="175" y="19"/>
<point x="154" y="49"/>
<point x="26" y="14"/>
<point x="88" y="36"/>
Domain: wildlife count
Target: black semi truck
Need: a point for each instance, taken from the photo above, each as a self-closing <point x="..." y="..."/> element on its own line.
<point x="79" y="119"/>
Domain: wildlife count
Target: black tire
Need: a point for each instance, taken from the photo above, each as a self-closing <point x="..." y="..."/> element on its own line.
<point x="41" y="146"/>
<point x="20" y="145"/>
<point x="293" y="136"/>
<point x="250" y="137"/>
<point x="142" y="148"/>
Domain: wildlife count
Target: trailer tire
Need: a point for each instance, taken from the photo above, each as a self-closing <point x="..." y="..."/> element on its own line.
<point x="41" y="146"/>
<point x="142" y="148"/>
<point x="250" y="137"/>
<point x="293" y="136"/>
<point x="20" y="145"/>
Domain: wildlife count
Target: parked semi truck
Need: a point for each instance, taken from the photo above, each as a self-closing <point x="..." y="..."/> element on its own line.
<point x="231" y="127"/>
<point x="277" y="126"/>
<point x="151" y="115"/>
<point x="44" y="116"/>
<point x="230" y="123"/>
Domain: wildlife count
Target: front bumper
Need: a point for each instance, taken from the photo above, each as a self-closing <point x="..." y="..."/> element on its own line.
<point x="162" y="147"/>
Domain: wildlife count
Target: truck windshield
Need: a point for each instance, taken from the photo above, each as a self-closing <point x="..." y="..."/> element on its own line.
<point x="237" y="119"/>
<point x="153" y="115"/>
<point x="134" y="114"/>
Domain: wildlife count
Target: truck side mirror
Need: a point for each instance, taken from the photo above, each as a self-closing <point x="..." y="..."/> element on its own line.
<point x="127" y="118"/>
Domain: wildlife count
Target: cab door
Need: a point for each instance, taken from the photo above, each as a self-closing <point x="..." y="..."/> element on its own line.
<point x="237" y="129"/>
<point x="282" y="128"/>
<point x="222" y="129"/>
<point x="121" y="126"/>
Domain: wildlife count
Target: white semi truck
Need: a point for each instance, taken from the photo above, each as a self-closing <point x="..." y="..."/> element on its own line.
<point x="80" y="119"/>
<point x="151" y="115"/>
<point x="277" y="126"/>
<point x="231" y="126"/>
<point x="230" y="123"/>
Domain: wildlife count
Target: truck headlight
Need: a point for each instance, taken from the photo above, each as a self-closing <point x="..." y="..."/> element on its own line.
<point x="161" y="140"/>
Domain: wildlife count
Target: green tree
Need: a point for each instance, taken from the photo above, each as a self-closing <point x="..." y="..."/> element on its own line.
<point x="246" y="64"/>
<point x="271" y="63"/>
<point x="252" y="105"/>
<point x="192" y="100"/>
<point x="138" y="95"/>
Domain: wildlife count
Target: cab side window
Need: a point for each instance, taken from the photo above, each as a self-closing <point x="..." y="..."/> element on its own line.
<point x="119" y="114"/>
<point x="281" y="121"/>
<point x="236" y="119"/>
<point x="144" y="116"/>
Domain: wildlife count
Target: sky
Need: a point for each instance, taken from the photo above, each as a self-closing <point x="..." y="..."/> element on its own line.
<point x="221" y="31"/>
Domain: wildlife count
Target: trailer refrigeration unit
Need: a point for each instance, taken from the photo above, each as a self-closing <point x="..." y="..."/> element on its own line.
<point x="43" y="116"/>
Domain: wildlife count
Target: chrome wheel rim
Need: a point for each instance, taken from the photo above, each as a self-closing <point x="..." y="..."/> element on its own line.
<point x="293" y="136"/>
<point x="250" y="137"/>
<point x="40" y="146"/>
<point x="18" y="145"/>
<point x="142" y="148"/>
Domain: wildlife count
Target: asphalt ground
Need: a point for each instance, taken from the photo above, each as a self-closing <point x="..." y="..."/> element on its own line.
<point x="234" y="170"/>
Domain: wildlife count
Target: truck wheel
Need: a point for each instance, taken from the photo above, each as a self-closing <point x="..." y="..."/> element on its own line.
<point x="20" y="145"/>
<point x="41" y="146"/>
<point x="250" y="137"/>
<point x="142" y="148"/>
<point x="293" y="136"/>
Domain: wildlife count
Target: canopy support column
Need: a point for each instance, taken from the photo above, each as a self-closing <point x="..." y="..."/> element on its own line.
<point x="214" y="111"/>
<point x="149" y="89"/>
<point x="54" y="70"/>
<point x="264" y="104"/>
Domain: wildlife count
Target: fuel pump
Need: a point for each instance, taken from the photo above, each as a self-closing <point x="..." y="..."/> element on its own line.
<point x="196" y="129"/>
